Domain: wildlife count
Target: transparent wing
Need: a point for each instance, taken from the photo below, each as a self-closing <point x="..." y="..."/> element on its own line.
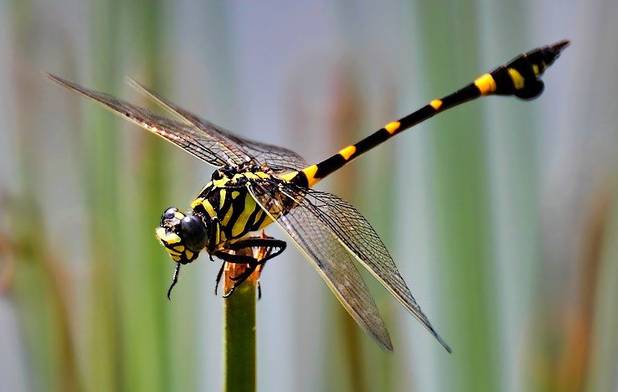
<point x="334" y="263"/>
<point x="275" y="157"/>
<point x="356" y="234"/>
<point x="207" y="146"/>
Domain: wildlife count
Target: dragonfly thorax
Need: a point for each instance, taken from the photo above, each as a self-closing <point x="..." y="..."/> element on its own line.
<point x="229" y="208"/>
<point x="183" y="236"/>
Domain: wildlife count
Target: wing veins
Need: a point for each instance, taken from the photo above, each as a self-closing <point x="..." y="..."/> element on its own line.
<point x="233" y="150"/>
<point x="176" y="133"/>
<point x="379" y="264"/>
<point x="243" y="149"/>
<point x="340" y="273"/>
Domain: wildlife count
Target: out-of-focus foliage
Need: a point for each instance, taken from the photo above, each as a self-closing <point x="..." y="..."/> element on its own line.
<point x="501" y="214"/>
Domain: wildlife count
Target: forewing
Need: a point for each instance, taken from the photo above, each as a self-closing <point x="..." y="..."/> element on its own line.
<point x="189" y="138"/>
<point x="275" y="157"/>
<point x="334" y="263"/>
<point x="356" y="234"/>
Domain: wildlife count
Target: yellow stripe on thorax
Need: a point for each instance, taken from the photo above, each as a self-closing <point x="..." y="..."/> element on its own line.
<point x="250" y="175"/>
<point x="486" y="84"/>
<point x="204" y="203"/>
<point x="267" y="221"/>
<point x="220" y="183"/>
<point x="228" y="216"/>
<point x="222" y="197"/>
<point x="240" y="225"/>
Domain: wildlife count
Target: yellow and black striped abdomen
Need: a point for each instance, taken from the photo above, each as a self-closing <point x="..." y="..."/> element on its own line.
<point x="519" y="77"/>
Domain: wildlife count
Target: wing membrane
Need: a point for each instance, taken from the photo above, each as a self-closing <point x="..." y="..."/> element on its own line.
<point x="357" y="235"/>
<point x="196" y="142"/>
<point x="277" y="158"/>
<point x="334" y="263"/>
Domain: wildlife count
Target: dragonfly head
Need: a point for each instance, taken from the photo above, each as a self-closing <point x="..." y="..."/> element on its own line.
<point x="183" y="236"/>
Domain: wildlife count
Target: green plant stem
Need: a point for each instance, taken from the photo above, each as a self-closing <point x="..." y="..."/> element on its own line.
<point x="239" y="339"/>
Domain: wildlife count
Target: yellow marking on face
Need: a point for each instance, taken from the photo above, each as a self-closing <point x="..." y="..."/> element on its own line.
<point x="288" y="176"/>
<point x="222" y="197"/>
<point x="486" y="84"/>
<point x="179" y="215"/>
<point x="168" y="238"/>
<point x="535" y="69"/>
<point x="189" y="254"/>
<point x="436" y="104"/>
<point x="241" y="223"/>
<point x="179" y="248"/>
<point x="391" y="127"/>
<point x="176" y="258"/>
<point x="518" y="80"/>
<point x="262" y="174"/>
<point x="347" y="152"/>
<point x="310" y="173"/>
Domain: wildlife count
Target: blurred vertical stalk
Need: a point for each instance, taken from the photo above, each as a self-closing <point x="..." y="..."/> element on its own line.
<point x="146" y="274"/>
<point x="346" y="116"/>
<point x="239" y="340"/>
<point x="100" y="178"/>
<point x="514" y="177"/>
<point x="41" y="287"/>
<point x="460" y="199"/>
<point x="367" y="366"/>
<point x="239" y="328"/>
<point x="601" y="368"/>
<point x="239" y="337"/>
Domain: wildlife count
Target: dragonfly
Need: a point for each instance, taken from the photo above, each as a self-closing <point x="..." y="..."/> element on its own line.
<point x="256" y="184"/>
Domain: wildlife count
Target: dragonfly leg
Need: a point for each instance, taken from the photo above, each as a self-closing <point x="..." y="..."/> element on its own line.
<point x="219" y="275"/>
<point x="274" y="247"/>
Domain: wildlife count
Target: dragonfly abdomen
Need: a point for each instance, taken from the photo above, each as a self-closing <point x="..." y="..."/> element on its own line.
<point x="519" y="77"/>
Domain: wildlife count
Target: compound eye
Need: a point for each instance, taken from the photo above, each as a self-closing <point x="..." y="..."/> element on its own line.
<point x="168" y="214"/>
<point x="193" y="232"/>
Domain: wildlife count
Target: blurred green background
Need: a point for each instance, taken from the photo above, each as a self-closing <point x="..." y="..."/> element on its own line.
<point x="501" y="214"/>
